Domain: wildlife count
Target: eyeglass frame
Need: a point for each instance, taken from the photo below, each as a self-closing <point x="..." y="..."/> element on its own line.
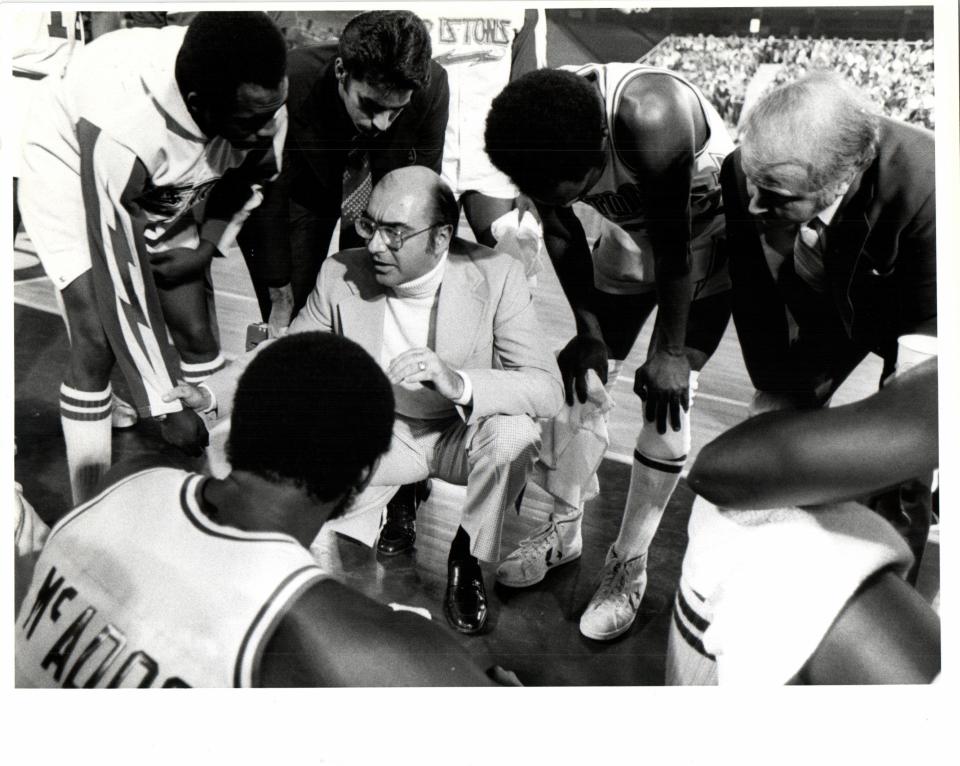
<point x="402" y="237"/>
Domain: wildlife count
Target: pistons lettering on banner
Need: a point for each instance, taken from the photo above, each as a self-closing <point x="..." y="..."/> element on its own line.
<point x="104" y="660"/>
<point x="481" y="31"/>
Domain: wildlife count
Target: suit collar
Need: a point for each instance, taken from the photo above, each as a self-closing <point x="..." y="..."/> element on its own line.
<point x="463" y="297"/>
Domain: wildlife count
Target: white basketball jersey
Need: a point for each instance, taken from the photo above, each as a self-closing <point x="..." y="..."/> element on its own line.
<point x="474" y="45"/>
<point x="43" y="41"/>
<point x="138" y="588"/>
<point x="617" y="199"/>
<point x="122" y="86"/>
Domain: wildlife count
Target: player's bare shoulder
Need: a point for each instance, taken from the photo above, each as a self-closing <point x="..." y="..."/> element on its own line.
<point x="657" y="117"/>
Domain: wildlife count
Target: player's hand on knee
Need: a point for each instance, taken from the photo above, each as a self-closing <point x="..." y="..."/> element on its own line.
<point x="582" y="354"/>
<point x="186" y="430"/>
<point x="663" y="383"/>
<point x="194" y="397"/>
<point x="181" y="264"/>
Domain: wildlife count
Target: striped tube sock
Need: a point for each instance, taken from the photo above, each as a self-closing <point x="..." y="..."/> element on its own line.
<point x="85" y="419"/>
<point x="197" y="372"/>
<point x="657" y="462"/>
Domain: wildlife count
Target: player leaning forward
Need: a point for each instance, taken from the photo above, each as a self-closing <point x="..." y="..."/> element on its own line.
<point x="642" y="148"/>
<point x="121" y="196"/>
<point x="171" y="579"/>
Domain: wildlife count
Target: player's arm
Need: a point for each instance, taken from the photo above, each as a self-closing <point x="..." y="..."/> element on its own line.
<point x="566" y="244"/>
<point x="656" y="135"/>
<point x="334" y="636"/>
<point x="818" y="456"/>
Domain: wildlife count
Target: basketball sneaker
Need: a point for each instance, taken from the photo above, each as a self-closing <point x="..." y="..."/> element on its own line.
<point x="556" y="542"/>
<point x="123" y="414"/>
<point x="614" y="606"/>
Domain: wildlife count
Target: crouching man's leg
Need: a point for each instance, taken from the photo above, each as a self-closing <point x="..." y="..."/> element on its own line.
<point x="493" y="458"/>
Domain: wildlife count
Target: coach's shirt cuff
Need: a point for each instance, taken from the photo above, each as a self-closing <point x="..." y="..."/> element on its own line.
<point x="213" y="399"/>
<point x="467" y="396"/>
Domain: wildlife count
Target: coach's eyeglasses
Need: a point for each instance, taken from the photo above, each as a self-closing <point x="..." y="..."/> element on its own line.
<point x="393" y="237"/>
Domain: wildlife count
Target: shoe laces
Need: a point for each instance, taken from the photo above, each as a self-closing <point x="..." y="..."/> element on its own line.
<point x="614" y="581"/>
<point x="538" y="542"/>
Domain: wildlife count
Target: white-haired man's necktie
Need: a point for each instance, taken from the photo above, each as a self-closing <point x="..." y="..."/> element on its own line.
<point x="808" y="254"/>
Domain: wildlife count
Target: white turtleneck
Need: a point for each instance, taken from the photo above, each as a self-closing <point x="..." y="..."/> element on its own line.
<point x="409" y="321"/>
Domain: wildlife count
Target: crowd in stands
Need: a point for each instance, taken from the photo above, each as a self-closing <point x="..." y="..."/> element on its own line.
<point x="897" y="74"/>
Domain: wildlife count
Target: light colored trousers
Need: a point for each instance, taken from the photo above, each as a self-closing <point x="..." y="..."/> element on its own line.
<point x="492" y="457"/>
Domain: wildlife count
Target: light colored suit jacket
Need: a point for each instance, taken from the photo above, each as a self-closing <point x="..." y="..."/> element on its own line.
<point x="486" y="326"/>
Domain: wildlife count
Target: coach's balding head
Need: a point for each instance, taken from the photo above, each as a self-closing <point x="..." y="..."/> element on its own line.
<point x="408" y="224"/>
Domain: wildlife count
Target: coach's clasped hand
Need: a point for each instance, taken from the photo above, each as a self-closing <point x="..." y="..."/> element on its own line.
<point x="663" y="383"/>
<point x="422" y="365"/>
<point x="582" y="354"/>
<point x="172" y="267"/>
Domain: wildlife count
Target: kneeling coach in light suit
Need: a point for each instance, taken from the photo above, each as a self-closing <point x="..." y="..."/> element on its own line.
<point x="453" y="325"/>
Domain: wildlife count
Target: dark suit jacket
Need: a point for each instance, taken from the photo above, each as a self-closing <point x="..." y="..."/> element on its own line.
<point x="320" y="135"/>
<point x="880" y="263"/>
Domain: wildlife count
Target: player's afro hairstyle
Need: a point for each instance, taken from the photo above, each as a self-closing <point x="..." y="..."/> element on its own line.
<point x="544" y="128"/>
<point x="313" y="408"/>
<point x="224" y="50"/>
<point x="388" y="49"/>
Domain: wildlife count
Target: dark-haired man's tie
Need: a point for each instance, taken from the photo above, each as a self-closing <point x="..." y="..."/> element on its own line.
<point x="357" y="186"/>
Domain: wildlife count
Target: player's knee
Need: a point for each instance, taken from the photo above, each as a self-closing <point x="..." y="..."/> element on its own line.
<point x="672" y="445"/>
<point x="517" y="437"/>
<point x="194" y="339"/>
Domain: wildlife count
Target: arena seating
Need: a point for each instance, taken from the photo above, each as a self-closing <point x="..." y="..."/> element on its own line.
<point x="896" y="73"/>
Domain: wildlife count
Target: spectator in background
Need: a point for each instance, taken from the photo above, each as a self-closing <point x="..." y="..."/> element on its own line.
<point x="882" y="68"/>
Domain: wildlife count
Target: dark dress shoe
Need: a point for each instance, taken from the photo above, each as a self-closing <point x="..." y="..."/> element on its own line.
<point x="399" y="531"/>
<point x="465" y="603"/>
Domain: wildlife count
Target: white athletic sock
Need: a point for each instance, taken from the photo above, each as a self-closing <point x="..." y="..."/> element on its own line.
<point x="85" y="419"/>
<point x="197" y="372"/>
<point x="657" y="462"/>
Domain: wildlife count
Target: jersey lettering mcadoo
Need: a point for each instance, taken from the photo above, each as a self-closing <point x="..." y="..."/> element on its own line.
<point x="109" y="606"/>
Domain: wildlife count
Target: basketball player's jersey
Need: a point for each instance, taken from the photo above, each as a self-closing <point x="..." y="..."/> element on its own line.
<point x="122" y="88"/>
<point x="475" y="49"/>
<point x="43" y="42"/>
<point x="138" y="588"/>
<point x="616" y="196"/>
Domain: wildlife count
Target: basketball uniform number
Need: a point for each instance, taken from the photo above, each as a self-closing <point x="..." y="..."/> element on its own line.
<point x="55" y="28"/>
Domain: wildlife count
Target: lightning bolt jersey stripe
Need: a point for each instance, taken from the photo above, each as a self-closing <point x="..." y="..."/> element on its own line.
<point x="116" y="169"/>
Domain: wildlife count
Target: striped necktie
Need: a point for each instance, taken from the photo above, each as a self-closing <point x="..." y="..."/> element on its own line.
<point x="357" y="186"/>
<point x="808" y="254"/>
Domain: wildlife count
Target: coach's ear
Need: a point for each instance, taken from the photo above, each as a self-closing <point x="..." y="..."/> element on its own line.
<point x="442" y="237"/>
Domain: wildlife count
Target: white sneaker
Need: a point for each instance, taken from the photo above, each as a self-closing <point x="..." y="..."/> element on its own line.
<point x="123" y="414"/>
<point x="553" y="544"/>
<point x="614" y="606"/>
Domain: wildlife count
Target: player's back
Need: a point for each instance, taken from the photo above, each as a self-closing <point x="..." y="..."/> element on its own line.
<point x="139" y="587"/>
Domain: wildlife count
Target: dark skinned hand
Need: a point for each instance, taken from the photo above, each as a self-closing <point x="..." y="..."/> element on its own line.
<point x="581" y="354"/>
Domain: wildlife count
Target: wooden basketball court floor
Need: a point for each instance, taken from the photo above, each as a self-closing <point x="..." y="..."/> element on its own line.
<point x="532" y="631"/>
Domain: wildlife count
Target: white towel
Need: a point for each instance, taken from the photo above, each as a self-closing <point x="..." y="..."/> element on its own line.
<point x="774" y="581"/>
<point x="574" y="443"/>
<point x="521" y="237"/>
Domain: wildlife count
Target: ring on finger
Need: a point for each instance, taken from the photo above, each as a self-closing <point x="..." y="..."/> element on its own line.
<point x="422" y="366"/>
